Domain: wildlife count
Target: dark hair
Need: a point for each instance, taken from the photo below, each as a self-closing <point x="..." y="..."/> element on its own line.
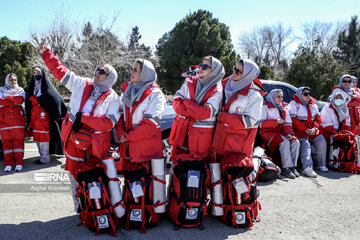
<point x="141" y="62"/>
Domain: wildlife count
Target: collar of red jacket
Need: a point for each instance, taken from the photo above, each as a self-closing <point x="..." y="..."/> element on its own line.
<point x="244" y="91"/>
<point x="124" y="86"/>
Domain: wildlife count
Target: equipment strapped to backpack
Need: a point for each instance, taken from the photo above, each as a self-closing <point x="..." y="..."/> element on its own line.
<point x="139" y="200"/>
<point x="188" y="192"/>
<point x="346" y="159"/>
<point x="240" y="195"/>
<point x="96" y="211"/>
<point x="268" y="170"/>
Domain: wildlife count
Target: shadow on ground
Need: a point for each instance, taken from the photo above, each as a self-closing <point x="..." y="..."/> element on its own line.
<point x="65" y="228"/>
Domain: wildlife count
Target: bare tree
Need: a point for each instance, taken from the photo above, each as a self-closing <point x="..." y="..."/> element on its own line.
<point x="278" y="39"/>
<point x="254" y="45"/>
<point x="267" y="45"/>
<point x="82" y="49"/>
<point x="321" y="35"/>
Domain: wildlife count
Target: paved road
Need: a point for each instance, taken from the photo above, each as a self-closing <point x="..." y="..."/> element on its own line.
<point x="324" y="208"/>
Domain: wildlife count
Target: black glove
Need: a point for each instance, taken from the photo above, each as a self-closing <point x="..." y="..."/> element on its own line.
<point x="77" y="123"/>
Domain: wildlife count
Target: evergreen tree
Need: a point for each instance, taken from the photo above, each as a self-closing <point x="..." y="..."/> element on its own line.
<point x="349" y="47"/>
<point x="14" y="59"/>
<point x="315" y="69"/>
<point x="194" y="37"/>
<point x="266" y="72"/>
<point x="137" y="49"/>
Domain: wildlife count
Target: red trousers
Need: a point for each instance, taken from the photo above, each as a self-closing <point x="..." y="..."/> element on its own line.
<point x="13" y="151"/>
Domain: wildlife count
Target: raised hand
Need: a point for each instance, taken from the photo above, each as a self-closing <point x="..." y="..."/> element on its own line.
<point x="42" y="46"/>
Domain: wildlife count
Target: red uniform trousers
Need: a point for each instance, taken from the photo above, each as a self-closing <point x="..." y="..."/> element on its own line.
<point x="12" y="132"/>
<point x="13" y="146"/>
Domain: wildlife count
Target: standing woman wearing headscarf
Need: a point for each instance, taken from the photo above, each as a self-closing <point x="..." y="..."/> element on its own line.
<point x="276" y="130"/>
<point x="12" y="122"/>
<point x="44" y="110"/>
<point x="94" y="106"/>
<point x="142" y="105"/>
<point x="240" y="113"/>
<point x="306" y="120"/>
<point x="139" y="132"/>
<point x="197" y="103"/>
<point x="353" y="101"/>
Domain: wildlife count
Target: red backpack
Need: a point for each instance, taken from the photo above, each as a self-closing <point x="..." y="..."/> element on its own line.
<point x="96" y="211"/>
<point x="240" y="195"/>
<point x="347" y="159"/>
<point x="138" y="197"/>
<point x="188" y="192"/>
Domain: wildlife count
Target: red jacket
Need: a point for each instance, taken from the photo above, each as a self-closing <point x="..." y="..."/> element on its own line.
<point x="144" y="139"/>
<point x="304" y="117"/>
<point x="237" y="125"/>
<point x="354" y="108"/>
<point x="99" y="124"/>
<point x="330" y="124"/>
<point x="12" y="115"/>
<point x="193" y="126"/>
<point x="269" y="127"/>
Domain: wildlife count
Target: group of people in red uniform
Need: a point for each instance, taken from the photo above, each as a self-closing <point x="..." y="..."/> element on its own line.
<point x="37" y="114"/>
<point x="216" y="116"/>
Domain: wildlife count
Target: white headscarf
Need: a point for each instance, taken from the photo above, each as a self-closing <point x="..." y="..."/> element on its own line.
<point x="271" y="98"/>
<point x="250" y="72"/>
<point x="348" y="90"/>
<point x="103" y="86"/>
<point x="135" y="89"/>
<point x="9" y="90"/>
<point x="341" y="110"/>
<point x="204" y="84"/>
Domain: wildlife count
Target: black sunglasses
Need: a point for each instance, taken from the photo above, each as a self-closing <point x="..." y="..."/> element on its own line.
<point x="101" y="71"/>
<point x="346" y="81"/>
<point x="306" y="94"/>
<point x="204" y="66"/>
<point x="237" y="71"/>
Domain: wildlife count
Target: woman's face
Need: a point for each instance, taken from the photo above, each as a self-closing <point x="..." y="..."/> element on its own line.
<point x="279" y="97"/>
<point x="306" y="94"/>
<point x="238" y="71"/>
<point x="13" y="81"/>
<point x="354" y="84"/>
<point x="36" y="72"/>
<point x="339" y="96"/>
<point x="135" y="73"/>
<point x="204" y="72"/>
<point x="346" y="82"/>
<point x="100" y="74"/>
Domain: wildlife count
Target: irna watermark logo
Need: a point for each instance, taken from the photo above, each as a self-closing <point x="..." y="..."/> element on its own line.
<point x="51" y="177"/>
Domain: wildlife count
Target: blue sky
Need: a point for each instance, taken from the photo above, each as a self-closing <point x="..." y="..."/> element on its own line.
<point x="154" y="18"/>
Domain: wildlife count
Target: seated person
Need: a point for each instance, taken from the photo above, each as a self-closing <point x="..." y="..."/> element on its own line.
<point x="277" y="132"/>
<point x="306" y="121"/>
